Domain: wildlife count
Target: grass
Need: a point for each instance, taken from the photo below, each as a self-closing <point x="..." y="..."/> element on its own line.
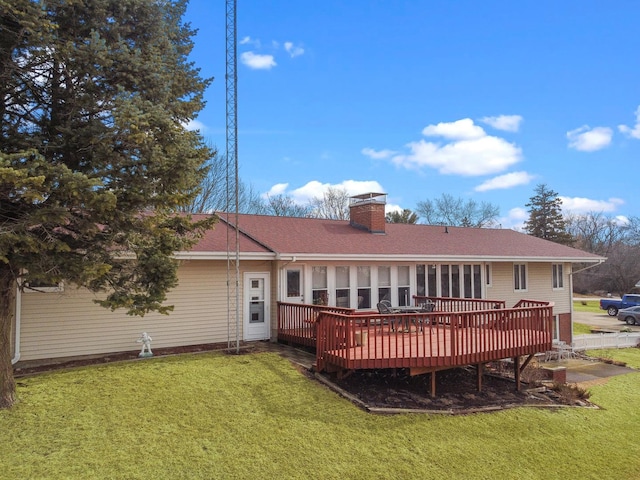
<point x="592" y="306"/>
<point x="255" y="416"/>
<point x="630" y="356"/>
<point x="581" y="328"/>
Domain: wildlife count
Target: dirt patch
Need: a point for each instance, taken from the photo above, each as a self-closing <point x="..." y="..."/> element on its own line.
<point x="456" y="391"/>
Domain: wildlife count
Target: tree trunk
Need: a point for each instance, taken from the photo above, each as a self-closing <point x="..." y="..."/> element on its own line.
<point x="7" y="308"/>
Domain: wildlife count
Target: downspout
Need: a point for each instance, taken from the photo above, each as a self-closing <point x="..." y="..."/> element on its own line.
<point x="282" y="279"/>
<point x="571" y="287"/>
<point x="293" y="259"/>
<point x="18" y="312"/>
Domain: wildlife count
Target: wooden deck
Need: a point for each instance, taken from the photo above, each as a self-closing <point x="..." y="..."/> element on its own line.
<point x="431" y="349"/>
<point x="427" y="342"/>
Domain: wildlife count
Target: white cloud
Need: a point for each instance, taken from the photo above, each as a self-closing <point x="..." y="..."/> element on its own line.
<point x="195" y="125"/>
<point x="635" y="131"/>
<point x="314" y="188"/>
<point x="587" y="139"/>
<point x="377" y="154"/>
<point x="293" y="50"/>
<point x="508" y="180"/>
<point x="277" y="189"/>
<point x="392" y="207"/>
<point x="586" y="205"/>
<point x="508" y="123"/>
<point x="515" y="219"/>
<point x="463" y="129"/>
<point x="481" y="156"/>
<point x="470" y="151"/>
<point x="258" y="61"/>
<point x="245" y="40"/>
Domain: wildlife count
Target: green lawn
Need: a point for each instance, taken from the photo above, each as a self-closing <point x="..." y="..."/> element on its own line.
<point x="630" y="356"/>
<point x="587" y="306"/>
<point x="255" y="416"/>
<point x="581" y="328"/>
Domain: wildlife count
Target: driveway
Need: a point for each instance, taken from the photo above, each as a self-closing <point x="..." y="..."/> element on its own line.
<point x="602" y="320"/>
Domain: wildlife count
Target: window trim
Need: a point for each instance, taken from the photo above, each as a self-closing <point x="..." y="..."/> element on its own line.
<point x="58" y="288"/>
<point x="523" y="276"/>
<point x="557" y="276"/>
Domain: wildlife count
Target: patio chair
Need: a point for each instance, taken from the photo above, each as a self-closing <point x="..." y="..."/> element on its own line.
<point x="384" y="308"/>
<point x="428" y="306"/>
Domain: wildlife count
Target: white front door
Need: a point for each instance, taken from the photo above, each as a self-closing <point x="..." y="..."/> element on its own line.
<point x="294" y="286"/>
<point x="256" y="306"/>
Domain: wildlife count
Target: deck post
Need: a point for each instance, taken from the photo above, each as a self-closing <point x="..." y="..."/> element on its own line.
<point x="479" y="379"/>
<point x="433" y="384"/>
<point x="516" y="371"/>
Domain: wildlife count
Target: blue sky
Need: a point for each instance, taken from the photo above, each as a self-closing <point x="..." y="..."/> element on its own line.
<point x="416" y="98"/>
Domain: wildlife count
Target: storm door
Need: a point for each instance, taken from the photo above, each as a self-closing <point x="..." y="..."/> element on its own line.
<point x="256" y="306"/>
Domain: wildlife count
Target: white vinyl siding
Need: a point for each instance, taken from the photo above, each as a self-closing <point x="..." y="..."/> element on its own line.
<point x="70" y="324"/>
<point x="539" y="286"/>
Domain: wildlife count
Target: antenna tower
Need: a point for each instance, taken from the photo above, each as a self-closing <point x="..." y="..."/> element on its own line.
<point x="233" y="244"/>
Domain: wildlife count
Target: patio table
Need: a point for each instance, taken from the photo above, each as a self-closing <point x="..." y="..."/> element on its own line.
<point x="406" y="320"/>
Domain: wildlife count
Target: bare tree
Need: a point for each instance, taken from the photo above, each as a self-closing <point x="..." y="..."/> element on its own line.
<point x="283" y="206"/>
<point x="619" y="242"/>
<point x="594" y="232"/>
<point x="449" y="210"/>
<point x="621" y="271"/>
<point x="213" y="196"/>
<point x="334" y="204"/>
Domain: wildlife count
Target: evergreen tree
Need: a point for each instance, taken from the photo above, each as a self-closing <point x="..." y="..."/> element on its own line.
<point x="545" y="217"/>
<point x="405" y="216"/>
<point x="94" y="158"/>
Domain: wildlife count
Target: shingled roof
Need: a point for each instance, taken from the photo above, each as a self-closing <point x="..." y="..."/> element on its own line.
<point x="262" y="236"/>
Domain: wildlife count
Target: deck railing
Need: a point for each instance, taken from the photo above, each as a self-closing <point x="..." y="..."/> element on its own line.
<point x="453" y="304"/>
<point x="297" y="322"/>
<point x="431" y="340"/>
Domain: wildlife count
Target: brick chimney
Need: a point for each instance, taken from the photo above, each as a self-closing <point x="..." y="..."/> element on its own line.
<point x="366" y="212"/>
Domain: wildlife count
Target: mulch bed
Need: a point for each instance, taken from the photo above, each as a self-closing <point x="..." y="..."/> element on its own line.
<point x="456" y="391"/>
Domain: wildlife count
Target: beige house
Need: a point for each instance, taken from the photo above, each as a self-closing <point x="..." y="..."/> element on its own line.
<point x="352" y="264"/>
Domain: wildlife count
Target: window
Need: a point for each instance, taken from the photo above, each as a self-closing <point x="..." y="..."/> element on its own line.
<point x="43" y="287"/>
<point x="455" y="281"/>
<point x="364" y="287"/>
<point x="557" y="278"/>
<point x="477" y="282"/>
<point x="468" y="293"/>
<point x="519" y="276"/>
<point x="432" y="281"/>
<point x="421" y="280"/>
<point x="384" y="283"/>
<point x="556" y="327"/>
<point x="319" y="286"/>
<point x="342" y="287"/>
<point x="404" y="286"/>
<point x="444" y="281"/>
<point x="293" y="283"/>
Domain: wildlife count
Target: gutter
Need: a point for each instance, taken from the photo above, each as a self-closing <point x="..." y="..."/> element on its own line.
<point x="16" y="355"/>
<point x="590" y="266"/>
